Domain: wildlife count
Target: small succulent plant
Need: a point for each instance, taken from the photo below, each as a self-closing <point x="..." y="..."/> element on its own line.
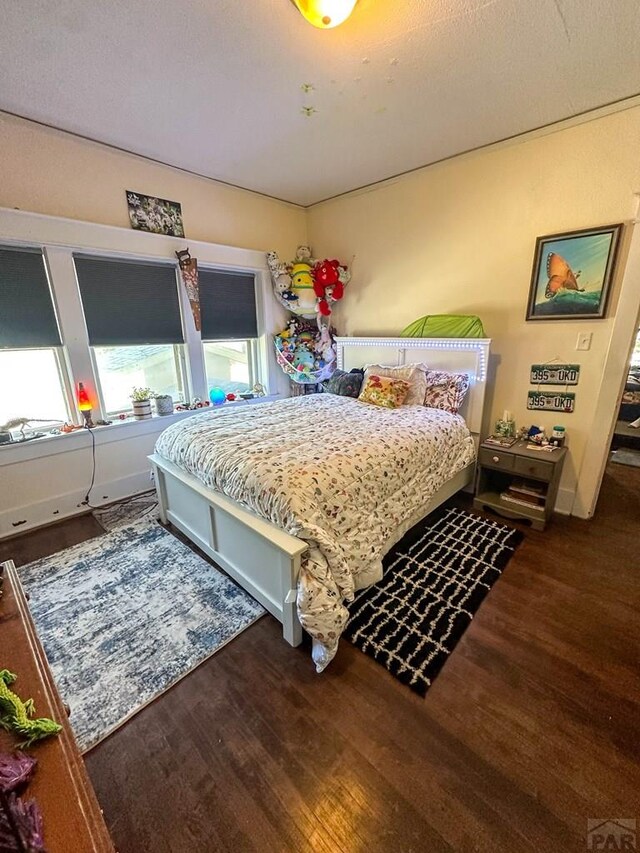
<point x="139" y="395"/>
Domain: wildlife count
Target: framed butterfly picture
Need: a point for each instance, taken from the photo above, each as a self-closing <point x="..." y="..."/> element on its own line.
<point x="572" y="274"/>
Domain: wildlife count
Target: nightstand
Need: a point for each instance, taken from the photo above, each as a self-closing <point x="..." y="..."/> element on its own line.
<point x="518" y="483"/>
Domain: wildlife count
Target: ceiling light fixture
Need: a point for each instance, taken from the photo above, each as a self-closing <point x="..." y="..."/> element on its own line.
<point x="325" y="14"/>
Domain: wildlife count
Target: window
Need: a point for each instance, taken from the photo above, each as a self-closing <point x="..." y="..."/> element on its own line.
<point x="31" y="376"/>
<point x="121" y="368"/>
<point x="228" y="365"/>
<point x="635" y="355"/>
<point x="31" y="386"/>
<point x="132" y="311"/>
<point x="229" y="328"/>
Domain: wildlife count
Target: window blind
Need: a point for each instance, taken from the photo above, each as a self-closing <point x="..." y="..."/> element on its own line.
<point x="27" y="315"/>
<point x="227" y="305"/>
<point x="128" y="303"/>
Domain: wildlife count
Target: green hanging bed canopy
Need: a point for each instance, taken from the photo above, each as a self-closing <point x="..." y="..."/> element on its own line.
<point x="445" y="326"/>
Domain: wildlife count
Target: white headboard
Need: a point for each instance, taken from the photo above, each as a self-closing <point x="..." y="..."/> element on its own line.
<point x="461" y="355"/>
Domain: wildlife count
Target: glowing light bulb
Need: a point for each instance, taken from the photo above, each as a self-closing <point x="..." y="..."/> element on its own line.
<point x="326" y="14"/>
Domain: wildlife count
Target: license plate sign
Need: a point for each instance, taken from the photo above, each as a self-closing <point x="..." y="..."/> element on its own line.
<point x="550" y="401"/>
<point x="555" y="374"/>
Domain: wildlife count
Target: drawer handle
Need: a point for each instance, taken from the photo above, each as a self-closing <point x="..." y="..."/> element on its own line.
<point x="496" y="458"/>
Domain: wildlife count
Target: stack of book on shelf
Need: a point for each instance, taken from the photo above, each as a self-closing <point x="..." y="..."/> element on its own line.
<point x="525" y="493"/>
<point x="501" y="440"/>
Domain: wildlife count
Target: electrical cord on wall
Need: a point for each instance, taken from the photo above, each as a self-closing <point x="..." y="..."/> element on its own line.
<point x="85" y="502"/>
<point x="123" y="501"/>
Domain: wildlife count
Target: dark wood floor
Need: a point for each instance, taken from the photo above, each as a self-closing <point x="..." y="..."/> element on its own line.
<point x="532" y="727"/>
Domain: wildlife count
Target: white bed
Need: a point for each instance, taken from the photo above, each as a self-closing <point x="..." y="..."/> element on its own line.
<point x="299" y="500"/>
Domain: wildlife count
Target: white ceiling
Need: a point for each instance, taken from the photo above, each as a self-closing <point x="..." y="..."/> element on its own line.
<point x="214" y="86"/>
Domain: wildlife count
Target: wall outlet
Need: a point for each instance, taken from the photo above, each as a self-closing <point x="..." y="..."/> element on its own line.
<point x="584" y="341"/>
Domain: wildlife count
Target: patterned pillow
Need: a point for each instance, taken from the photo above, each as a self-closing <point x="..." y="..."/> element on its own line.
<point x="344" y="384"/>
<point x="382" y="391"/>
<point x="446" y="390"/>
<point x="414" y="374"/>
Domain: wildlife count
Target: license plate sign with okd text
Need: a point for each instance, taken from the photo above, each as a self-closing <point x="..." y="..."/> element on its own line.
<point x="555" y="374"/>
<point x="547" y="401"/>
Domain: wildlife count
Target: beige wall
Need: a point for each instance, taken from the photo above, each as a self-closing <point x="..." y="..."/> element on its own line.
<point x="47" y="171"/>
<point x="455" y="237"/>
<point x="459" y="238"/>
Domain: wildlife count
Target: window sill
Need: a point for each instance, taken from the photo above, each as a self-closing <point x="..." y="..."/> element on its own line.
<point x="51" y="445"/>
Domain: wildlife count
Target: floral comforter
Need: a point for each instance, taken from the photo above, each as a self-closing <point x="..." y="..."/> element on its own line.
<point x="340" y="474"/>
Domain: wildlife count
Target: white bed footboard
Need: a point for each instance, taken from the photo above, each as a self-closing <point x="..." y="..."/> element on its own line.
<point x="263" y="559"/>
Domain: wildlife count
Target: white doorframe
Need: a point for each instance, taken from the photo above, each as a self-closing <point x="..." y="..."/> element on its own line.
<point x="614" y="374"/>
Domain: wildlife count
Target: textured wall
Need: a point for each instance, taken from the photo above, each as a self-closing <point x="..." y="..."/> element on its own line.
<point x="47" y="171"/>
<point x="459" y="237"/>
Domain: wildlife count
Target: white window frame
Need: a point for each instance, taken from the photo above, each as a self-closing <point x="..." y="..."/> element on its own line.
<point x="179" y="357"/>
<point x="66" y="387"/>
<point x="61" y="353"/>
<point x="60" y="238"/>
<point x="253" y="356"/>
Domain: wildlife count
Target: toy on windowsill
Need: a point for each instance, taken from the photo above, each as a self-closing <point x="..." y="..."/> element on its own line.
<point x="196" y="403"/>
<point x="15" y="715"/>
<point x="21" y="423"/>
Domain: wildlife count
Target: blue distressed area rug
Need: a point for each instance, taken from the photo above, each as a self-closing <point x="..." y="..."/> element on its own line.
<point x="125" y="616"/>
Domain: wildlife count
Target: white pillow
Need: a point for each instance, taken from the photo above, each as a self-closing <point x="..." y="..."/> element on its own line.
<point x="414" y="374"/>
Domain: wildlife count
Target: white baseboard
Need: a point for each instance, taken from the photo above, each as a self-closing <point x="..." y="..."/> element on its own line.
<point x="20" y="519"/>
<point x="564" y="501"/>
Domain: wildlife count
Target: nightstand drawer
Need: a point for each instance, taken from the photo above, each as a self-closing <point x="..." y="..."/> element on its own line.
<point x="534" y="468"/>
<point x="495" y="459"/>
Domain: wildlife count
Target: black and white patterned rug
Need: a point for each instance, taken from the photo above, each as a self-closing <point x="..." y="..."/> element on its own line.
<point x="434" y="581"/>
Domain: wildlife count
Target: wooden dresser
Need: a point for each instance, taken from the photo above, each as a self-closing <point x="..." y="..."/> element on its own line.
<point x="71" y="814"/>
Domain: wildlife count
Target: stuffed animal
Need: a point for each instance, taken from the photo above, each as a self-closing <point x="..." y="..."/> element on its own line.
<point x="328" y="284"/>
<point x="303" y="360"/>
<point x="324" y="345"/>
<point x="281" y="278"/>
<point x="291" y="330"/>
<point x="306" y="287"/>
<point x="303" y="256"/>
<point x="15" y="715"/>
<point x="302" y="287"/>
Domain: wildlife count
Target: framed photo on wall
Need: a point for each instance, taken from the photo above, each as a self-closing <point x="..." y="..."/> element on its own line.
<point x="572" y="274"/>
<point x="157" y="215"/>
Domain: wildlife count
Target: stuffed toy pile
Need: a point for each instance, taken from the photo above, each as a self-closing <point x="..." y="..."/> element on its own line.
<point x="307" y="287"/>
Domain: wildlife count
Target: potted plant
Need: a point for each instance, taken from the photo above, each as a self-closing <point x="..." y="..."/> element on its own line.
<point x="164" y="404"/>
<point x="141" y="399"/>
